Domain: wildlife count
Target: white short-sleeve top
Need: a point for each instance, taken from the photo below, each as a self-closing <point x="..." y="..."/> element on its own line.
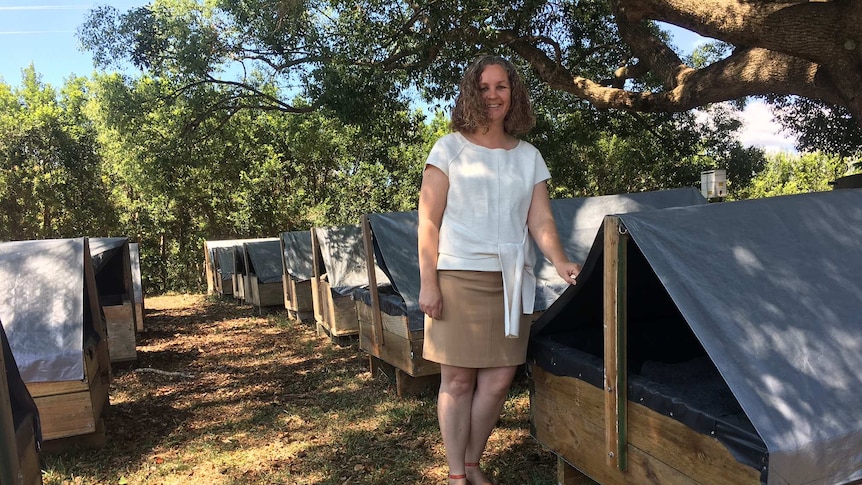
<point x="484" y="226"/>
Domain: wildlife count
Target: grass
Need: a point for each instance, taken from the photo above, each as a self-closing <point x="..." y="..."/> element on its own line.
<point x="264" y="400"/>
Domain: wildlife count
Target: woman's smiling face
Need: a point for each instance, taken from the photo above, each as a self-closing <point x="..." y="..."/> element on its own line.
<point x="496" y="91"/>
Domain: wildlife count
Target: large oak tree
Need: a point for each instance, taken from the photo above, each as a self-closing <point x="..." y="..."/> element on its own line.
<point x="610" y="53"/>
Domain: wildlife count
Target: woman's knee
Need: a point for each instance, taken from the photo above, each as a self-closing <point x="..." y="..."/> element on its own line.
<point x="458" y="381"/>
<point x="496" y="382"/>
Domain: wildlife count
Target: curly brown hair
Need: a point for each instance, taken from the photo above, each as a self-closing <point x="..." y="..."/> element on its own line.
<point x="470" y="113"/>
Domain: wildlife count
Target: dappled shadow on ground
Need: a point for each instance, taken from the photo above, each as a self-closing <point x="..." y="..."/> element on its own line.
<point x="220" y="395"/>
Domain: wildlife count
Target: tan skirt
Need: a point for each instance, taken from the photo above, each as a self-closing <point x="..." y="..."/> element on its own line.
<point x="472" y="331"/>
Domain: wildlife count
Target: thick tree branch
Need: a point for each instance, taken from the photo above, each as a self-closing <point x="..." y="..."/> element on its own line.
<point x="817" y="31"/>
<point x="660" y="59"/>
<point x="272" y="100"/>
<point x="823" y="34"/>
<point x="747" y="72"/>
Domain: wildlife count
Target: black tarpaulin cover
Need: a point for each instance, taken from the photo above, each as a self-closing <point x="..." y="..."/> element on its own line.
<point x="396" y="249"/>
<point x="42" y="307"/>
<point x="771" y="290"/>
<point x="265" y="260"/>
<point x="579" y="219"/>
<point x="225" y="257"/>
<point x="212" y="248"/>
<point x="297" y="255"/>
<point x="343" y="253"/>
<point x="110" y="268"/>
<point x="102" y="249"/>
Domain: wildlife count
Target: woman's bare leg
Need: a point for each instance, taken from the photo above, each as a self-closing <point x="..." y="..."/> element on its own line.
<point x="454" y="407"/>
<point x="492" y="389"/>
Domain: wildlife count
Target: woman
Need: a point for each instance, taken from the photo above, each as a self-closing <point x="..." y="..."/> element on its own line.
<point x="483" y="191"/>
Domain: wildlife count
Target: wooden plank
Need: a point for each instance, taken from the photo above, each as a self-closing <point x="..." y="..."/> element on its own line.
<point x="255" y="291"/>
<point x="97" y="366"/>
<point x="129" y="283"/>
<point x="236" y="286"/>
<point x="265" y="294"/>
<point x="569" y="475"/>
<point x="405" y="384"/>
<point x="377" y="339"/>
<point x="66" y="415"/>
<point x="394" y="324"/>
<point x="246" y="278"/>
<point x="568" y="418"/>
<point x="285" y="276"/>
<point x="410" y="386"/>
<point x="300" y="292"/>
<point x="71" y="408"/>
<point x="10" y="466"/>
<point x="120" y="320"/>
<point x="615" y="342"/>
<point x="322" y="306"/>
<point x="269" y="294"/>
<point x="317" y="283"/>
<point x="208" y="268"/>
<point x="139" y="311"/>
<point x="96" y="439"/>
<point x="318" y="302"/>
<point x="43" y="389"/>
<point x="338" y="317"/>
<point x="285" y="286"/>
<point x="225" y="286"/>
<point x="400" y="352"/>
<point x="341" y="314"/>
<point x="28" y="457"/>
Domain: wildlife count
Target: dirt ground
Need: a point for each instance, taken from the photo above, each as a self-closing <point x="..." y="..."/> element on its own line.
<point x="219" y="395"/>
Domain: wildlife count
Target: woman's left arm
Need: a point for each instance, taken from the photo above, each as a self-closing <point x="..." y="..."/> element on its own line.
<point x="540" y="222"/>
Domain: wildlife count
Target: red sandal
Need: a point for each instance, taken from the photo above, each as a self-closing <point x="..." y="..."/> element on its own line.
<point x="459" y="477"/>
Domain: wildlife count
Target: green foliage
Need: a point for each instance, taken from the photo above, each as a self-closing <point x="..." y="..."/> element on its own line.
<point x="251" y="117"/>
<point x="241" y="173"/>
<point x="787" y="174"/>
<point x="595" y="152"/>
<point x="51" y="182"/>
<point x="818" y="126"/>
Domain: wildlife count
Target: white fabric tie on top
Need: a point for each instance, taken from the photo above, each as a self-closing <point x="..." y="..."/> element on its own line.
<point x="519" y="284"/>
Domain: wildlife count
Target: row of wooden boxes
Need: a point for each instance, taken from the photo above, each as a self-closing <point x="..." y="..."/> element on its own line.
<point x="69" y="308"/>
<point x="325" y="276"/>
<point x="704" y="343"/>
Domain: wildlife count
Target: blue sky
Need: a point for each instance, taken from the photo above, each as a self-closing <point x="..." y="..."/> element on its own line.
<point x="43" y="32"/>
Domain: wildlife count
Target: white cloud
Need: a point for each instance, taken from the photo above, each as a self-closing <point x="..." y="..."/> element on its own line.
<point x="761" y="130"/>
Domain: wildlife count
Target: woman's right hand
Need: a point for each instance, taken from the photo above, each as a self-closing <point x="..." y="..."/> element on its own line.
<point x="431" y="301"/>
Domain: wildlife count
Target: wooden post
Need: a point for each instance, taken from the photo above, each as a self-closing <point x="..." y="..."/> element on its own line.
<point x="376" y="316"/>
<point x="10" y="470"/>
<point x="129" y="283"/>
<point x="285" y="277"/>
<point x="208" y="270"/>
<point x="616" y="398"/>
<point x="247" y="296"/>
<point x="316" y="294"/>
